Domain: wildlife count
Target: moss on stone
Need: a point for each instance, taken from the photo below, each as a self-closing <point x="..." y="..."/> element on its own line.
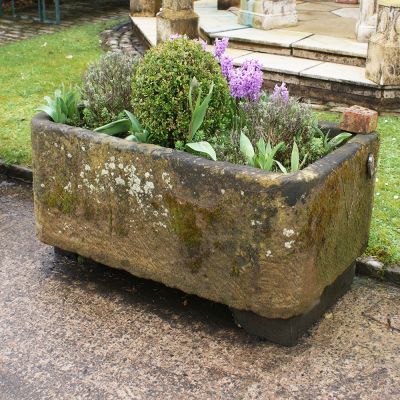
<point x="183" y="223"/>
<point x="61" y="199"/>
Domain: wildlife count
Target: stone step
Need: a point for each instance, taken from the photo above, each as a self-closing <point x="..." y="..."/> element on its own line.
<point x="316" y="80"/>
<point x="298" y="44"/>
<point x="330" y="41"/>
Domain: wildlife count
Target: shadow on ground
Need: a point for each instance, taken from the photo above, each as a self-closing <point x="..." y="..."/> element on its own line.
<point x="70" y="329"/>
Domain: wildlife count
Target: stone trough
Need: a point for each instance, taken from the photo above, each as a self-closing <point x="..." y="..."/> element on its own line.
<point x="277" y="249"/>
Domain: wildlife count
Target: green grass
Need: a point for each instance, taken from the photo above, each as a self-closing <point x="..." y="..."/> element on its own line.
<point x="33" y="68"/>
<point x="384" y="241"/>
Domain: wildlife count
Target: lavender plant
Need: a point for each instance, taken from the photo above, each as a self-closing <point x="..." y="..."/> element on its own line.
<point x="106" y="89"/>
<point x="280" y="117"/>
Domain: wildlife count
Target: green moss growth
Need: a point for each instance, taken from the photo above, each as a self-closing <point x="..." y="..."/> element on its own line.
<point x="184" y="225"/>
<point x="59" y="198"/>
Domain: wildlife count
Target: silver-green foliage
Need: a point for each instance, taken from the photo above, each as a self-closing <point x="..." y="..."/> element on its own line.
<point x="63" y="107"/>
<point x="106" y="89"/>
<point x="279" y="121"/>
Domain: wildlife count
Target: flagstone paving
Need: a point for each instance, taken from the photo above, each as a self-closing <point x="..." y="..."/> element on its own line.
<point x="75" y="331"/>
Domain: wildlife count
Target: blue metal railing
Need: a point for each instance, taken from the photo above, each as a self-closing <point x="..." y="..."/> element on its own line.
<point x="42" y="12"/>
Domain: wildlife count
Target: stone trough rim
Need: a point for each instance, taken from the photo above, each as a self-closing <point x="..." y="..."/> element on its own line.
<point x="317" y="170"/>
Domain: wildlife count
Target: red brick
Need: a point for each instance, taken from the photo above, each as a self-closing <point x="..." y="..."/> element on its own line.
<point x="358" y="119"/>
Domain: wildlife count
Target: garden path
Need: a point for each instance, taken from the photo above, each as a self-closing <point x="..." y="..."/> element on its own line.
<point x="73" y="331"/>
<point x="73" y="13"/>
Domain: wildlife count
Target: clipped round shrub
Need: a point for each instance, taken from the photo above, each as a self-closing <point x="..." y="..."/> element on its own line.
<point x="106" y="89"/>
<point x="160" y="90"/>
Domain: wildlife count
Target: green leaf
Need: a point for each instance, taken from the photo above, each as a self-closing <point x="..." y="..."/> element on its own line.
<point x="294" y="159"/>
<point x="199" y="112"/>
<point x="135" y="125"/>
<point x="131" y="138"/>
<point x="276" y="148"/>
<point x="337" y="140"/>
<point x="261" y="146"/>
<point x="48" y="110"/>
<point x="281" y="167"/>
<point x="116" y="127"/>
<point x="144" y="136"/>
<point x="203" y="148"/>
<point x="193" y="84"/>
<point x="246" y="148"/>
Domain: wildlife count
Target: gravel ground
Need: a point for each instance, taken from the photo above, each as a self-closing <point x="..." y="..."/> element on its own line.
<point x="75" y="331"/>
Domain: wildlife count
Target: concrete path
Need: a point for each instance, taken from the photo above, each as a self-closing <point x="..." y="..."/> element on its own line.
<point x="70" y="331"/>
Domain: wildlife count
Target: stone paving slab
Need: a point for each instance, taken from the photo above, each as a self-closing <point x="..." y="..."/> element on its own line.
<point x="75" y="331"/>
<point x="278" y="63"/>
<point x="148" y="27"/>
<point x="331" y="44"/>
<point x="339" y="73"/>
<point x="274" y="37"/>
<point x="348" y="13"/>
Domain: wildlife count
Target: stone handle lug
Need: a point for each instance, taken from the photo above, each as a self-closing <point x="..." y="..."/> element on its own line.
<point x="371" y="167"/>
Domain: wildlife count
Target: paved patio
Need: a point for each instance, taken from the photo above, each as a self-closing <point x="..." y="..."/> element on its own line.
<point x="70" y="331"/>
<point x="73" y="13"/>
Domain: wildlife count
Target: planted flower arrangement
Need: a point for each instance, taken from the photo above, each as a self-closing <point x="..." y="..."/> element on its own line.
<point x="181" y="169"/>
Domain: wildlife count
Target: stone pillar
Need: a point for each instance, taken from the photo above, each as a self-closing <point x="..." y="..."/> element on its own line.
<point x="267" y="14"/>
<point x="177" y="17"/>
<point x="383" y="58"/>
<point x="145" y="8"/>
<point x="366" y="24"/>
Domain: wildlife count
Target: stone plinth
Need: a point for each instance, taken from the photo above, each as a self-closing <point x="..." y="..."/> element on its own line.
<point x="177" y="17"/>
<point x="383" y="59"/>
<point x="145" y="8"/>
<point x="366" y="24"/>
<point x="267" y="14"/>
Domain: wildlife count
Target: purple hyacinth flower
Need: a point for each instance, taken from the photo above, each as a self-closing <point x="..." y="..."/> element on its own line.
<point x="246" y="81"/>
<point x="203" y="43"/>
<point x="281" y="93"/>
<point x="220" y="46"/>
<point x="226" y="65"/>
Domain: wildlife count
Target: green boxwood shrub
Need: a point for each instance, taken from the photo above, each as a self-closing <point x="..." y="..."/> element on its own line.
<point x="160" y="90"/>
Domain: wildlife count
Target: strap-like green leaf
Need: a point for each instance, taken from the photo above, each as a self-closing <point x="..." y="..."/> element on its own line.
<point x="294" y="159"/>
<point x="203" y="148"/>
<point x="114" y="128"/>
<point x="281" y="167"/>
<point x="199" y="112"/>
<point x="246" y="148"/>
<point x="335" y="141"/>
<point x="135" y="125"/>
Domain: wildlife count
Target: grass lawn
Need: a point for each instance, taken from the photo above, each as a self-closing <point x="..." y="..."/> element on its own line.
<point x="31" y="69"/>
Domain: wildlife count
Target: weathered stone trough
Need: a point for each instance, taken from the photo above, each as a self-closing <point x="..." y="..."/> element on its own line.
<point x="277" y="249"/>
